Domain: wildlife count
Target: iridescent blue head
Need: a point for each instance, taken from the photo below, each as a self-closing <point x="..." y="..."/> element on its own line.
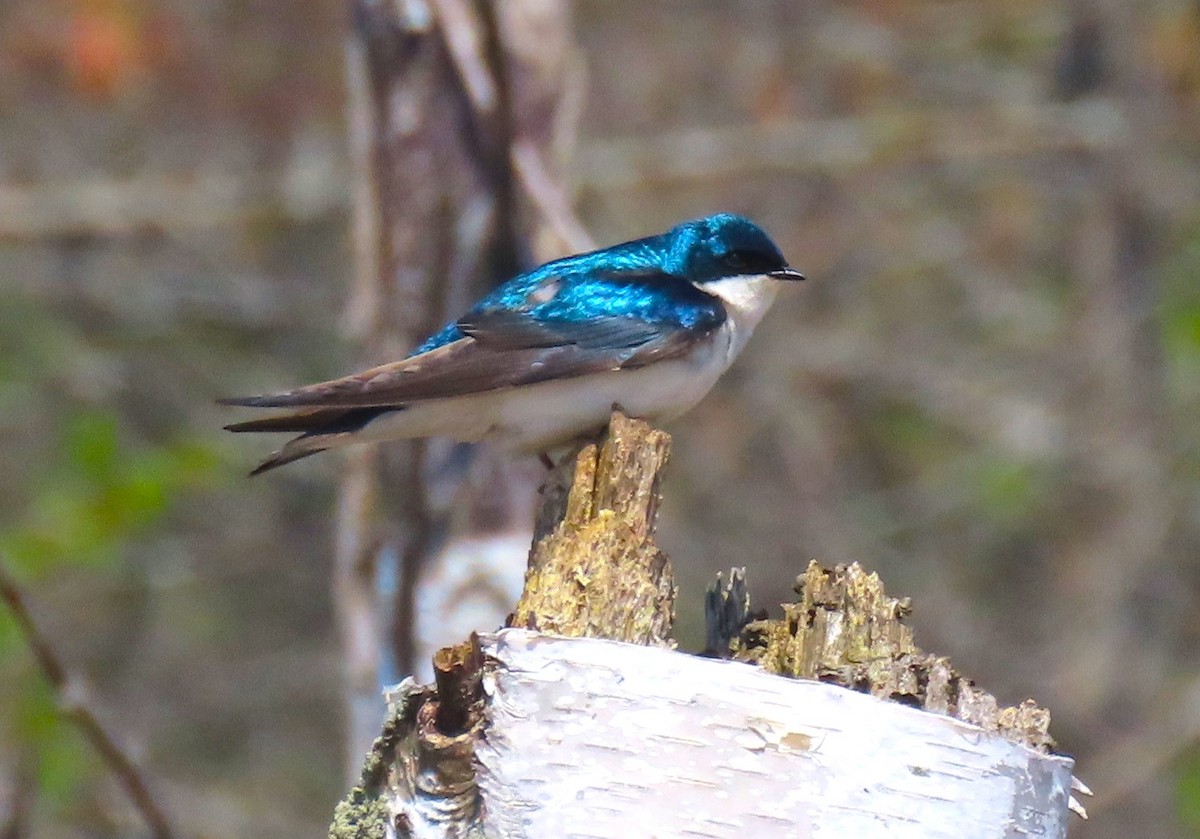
<point x="722" y="246"/>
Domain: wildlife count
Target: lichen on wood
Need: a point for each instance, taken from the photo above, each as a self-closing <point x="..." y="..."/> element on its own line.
<point x="595" y="570"/>
<point x="845" y="630"/>
<point x="364" y="812"/>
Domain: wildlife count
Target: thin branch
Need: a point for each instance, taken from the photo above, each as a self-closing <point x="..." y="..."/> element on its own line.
<point x="468" y="39"/>
<point x="462" y="30"/>
<point x="24" y="782"/>
<point x="548" y="197"/>
<point x="73" y="706"/>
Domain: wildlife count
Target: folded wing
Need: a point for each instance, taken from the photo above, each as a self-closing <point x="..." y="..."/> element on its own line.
<point x="504" y="348"/>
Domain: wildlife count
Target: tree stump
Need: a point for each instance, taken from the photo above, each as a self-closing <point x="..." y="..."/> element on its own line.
<point x="580" y="720"/>
<point x="594" y="570"/>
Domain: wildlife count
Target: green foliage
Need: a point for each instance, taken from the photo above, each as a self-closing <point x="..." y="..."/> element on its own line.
<point x="95" y="490"/>
<point x="1007" y="490"/>
<point x="1187" y="792"/>
<point x="1181" y="328"/>
<point x="1179" y="305"/>
<point x="9" y="639"/>
<point x="62" y="759"/>
<point x="910" y="430"/>
<point x="910" y="442"/>
<point x="1179" y="319"/>
<point x="99" y="494"/>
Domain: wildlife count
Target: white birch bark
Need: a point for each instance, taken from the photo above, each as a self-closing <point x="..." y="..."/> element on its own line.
<point x="593" y="738"/>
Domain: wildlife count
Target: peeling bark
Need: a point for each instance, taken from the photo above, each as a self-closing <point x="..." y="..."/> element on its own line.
<point x="589" y="738"/>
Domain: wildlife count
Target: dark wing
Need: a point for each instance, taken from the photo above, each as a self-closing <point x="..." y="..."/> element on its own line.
<point x="324" y="420"/>
<point x="580" y="334"/>
<point x="500" y="329"/>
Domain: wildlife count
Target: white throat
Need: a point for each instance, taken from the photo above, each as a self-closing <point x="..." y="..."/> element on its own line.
<point x="746" y="299"/>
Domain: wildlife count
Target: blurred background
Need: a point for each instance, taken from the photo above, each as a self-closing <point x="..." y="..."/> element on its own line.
<point x="988" y="391"/>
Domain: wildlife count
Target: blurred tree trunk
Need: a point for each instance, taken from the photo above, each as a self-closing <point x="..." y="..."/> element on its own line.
<point x="1119" y="432"/>
<point x="1122" y="447"/>
<point x="456" y="106"/>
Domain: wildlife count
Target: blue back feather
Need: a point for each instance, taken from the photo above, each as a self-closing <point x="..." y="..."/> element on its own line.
<point x="651" y="279"/>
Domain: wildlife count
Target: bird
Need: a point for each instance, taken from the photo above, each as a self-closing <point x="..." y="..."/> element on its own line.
<point x="645" y="326"/>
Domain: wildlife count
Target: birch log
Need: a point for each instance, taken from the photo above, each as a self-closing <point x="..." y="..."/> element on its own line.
<point x="592" y="738"/>
<point x="829" y="722"/>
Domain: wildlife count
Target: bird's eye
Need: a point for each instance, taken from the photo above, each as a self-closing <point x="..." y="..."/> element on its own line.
<point x="736" y="260"/>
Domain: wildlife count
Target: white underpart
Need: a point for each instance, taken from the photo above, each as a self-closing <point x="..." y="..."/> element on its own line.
<point x="538" y="417"/>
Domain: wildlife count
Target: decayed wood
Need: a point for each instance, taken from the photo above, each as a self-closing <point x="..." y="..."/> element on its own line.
<point x="529" y="734"/>
<point x="845" y="630"/>
<point x="419" y="779"/>
<point x="594" y="570"/>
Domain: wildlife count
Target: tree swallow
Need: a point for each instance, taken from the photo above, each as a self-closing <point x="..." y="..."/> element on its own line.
<point x="648" y="325"/>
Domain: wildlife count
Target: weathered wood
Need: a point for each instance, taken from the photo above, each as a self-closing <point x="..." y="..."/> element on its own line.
<point x="726" y="613"/>
<point x="845" y="630"/>
<point x="597" y="572"/>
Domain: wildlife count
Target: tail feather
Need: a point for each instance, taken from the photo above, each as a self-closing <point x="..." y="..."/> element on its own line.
<point x="321" y="429"/>
<point x="319" y="421"/>
<point x="307" y="421"/>
<point x="287" y="454"/>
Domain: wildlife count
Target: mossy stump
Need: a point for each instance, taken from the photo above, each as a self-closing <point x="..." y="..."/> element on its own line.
<point x="594" y="570"/>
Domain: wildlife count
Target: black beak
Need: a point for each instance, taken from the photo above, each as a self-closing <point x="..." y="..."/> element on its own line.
<point x="785" y="274"/>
